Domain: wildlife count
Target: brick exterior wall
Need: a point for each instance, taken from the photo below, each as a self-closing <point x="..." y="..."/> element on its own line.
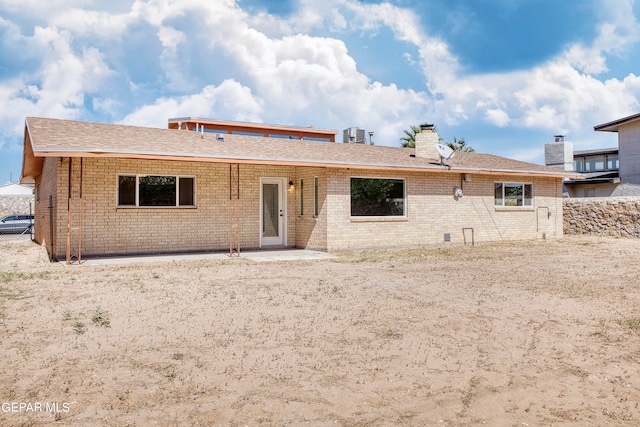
<point x="431" y="210"/>
<point x="46" y="191"/>
<point x="311" y="231"/>
<point x="108" y="229"/>
<point x="604" y="217"/>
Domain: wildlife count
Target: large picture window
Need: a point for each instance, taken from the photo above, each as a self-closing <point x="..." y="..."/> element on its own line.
<point x="156" y="191"/>
<point x="513" y="194"/>
<point x="377" y="197"/>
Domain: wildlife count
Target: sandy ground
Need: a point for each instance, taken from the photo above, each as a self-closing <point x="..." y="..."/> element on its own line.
<point x="512" y="334"/>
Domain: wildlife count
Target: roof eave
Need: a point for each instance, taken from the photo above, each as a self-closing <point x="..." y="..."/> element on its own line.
<point x="276" y="161"/>
<point x="615" y="124"/>
<point x="31" y="163"/>
<point x="593" y="181"/>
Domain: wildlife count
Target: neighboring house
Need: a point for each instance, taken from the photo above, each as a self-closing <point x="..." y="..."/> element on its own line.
<point x="15" y="199"/>
<point x="599" y="168"/>
<point x="106" y="189"/>
<point x="628" y="130"/>
<point x="601" y="173"/>
<point x="608" y="172"/>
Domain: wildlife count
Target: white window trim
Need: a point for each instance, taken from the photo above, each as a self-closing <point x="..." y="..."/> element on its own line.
<point x="381" y="218"/>
<point x="137" y="190"/>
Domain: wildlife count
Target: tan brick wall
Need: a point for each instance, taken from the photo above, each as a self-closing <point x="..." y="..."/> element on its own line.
<point x="47" y="185"/>
<point x="310" y="230"/>
<point x="109" y="229"/>
<point x="432" y="211"/>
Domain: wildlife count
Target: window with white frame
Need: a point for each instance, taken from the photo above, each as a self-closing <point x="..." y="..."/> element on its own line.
<point x="513" y="194"/>
<point x="316" y="190"/>
<point x="156" y="191"/>
<point x="301" y="196"/>
<point x="377" y="197"/>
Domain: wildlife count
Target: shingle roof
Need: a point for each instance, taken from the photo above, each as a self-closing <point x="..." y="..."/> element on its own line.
<point x="66" y="138"/>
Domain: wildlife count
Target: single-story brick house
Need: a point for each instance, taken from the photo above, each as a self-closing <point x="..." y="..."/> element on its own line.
<point x="104" y="189"/>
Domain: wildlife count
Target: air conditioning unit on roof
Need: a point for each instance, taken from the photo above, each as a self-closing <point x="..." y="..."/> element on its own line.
<point x="353" y="136"/>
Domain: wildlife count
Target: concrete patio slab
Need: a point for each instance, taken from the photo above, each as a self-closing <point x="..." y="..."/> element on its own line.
<point x="255" y="255"/>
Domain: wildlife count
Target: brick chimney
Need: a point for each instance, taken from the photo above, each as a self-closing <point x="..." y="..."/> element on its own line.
<point x="426" y="141"/>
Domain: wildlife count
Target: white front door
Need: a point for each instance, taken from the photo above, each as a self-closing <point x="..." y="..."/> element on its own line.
<point x="272" y="212"/>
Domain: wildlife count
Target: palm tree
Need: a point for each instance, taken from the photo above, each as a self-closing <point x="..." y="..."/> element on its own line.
<point x="409" y="138"/>
<point x="460" y="145"/>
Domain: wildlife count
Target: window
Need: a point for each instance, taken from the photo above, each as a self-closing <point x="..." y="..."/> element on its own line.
<point x="377" y="197"/>
<point x="315" y="196"/>
<point x="301" y="196"/>
<point x="578" y="165"/>
<point x="612" y="161"/>
<point x="594" y="163"/>
<point x="513" y="194"/>
<point x="156" y="190"/>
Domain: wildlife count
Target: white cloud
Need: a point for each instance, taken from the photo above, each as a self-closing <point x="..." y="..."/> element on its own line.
<point x="229" y="100"/>
<point x="439" y="65"/>
<point x="58" y="87"/>
<point x="271" y="68"/>
<point x="174" y="70"/>
<point x="560" y="95"/>
<point x="497" y="117"/>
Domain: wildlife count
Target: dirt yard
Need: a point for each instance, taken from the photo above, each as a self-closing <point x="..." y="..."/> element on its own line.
<point x="512" y="334"/>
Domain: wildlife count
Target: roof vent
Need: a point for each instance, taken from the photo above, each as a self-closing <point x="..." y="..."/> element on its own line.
<point x="558" y="138"/>
<point x="220" y="137"/>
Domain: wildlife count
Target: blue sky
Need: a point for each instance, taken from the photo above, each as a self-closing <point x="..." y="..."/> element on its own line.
<point x="506" y="75"/>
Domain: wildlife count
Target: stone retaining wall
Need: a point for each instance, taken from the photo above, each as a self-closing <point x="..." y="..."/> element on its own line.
<point x="602" y="216"/>
<point x="15" y="205"/>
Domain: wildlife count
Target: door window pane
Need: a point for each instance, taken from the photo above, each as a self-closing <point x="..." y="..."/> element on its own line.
<point x="270" y="210"/>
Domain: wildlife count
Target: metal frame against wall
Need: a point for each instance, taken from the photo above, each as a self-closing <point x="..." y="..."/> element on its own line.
<point x="70" y="207"/>
<point x="235" y="209"/>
